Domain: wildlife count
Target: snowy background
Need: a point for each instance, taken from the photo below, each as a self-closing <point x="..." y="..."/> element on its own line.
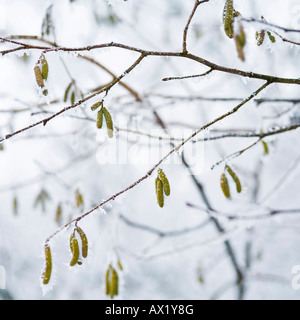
<point x="70" y="153"/>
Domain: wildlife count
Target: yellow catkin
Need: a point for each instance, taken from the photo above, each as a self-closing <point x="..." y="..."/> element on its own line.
<point x="99" y="121"/>
<point x="165" y="182"/>
<point x="15" y="205"/>
<point x="96" y="105"/>
<point x="235" y="179"/>
<point x="58" y="214"/>
<point x="45" y="67"/>
<point x="236" y="14"/>
<point x="159" y="192"/>
<point x="48" y="267"/>
<point x="114" y="283"/>
<point x="71" y="242"/>
<point x="107" y="282"/>
<point x="240" y="41"/>
<point x="67" y="91"/>
<point x="111" y="282"/>
<point x="120" y="265"/>
<point x="75" y="252"/>
<point x="228" y="18"/>
<point x="84" y="242"/>
<point x="38" y="77"/>
<point x="271" y="37"/>
<point x="260" y="37"/>
<point x="79" y="199"/>
<point x="225" y="186"/>
<point x="266" y="147"/>
<point x="73" y="98"/>
<point x="109" y="122"/>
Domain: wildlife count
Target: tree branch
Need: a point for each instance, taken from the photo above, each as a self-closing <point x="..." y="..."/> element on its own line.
<point x="163" y="234"/>
<point x="186" y="29"/>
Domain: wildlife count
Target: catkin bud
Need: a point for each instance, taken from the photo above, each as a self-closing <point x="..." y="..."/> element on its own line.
<point x="99" y="121"/>
<point x="96" y="105"/>
<point x="107" y="281"/>
<point x="165" y="182"/>
<point x="109" y="122"/>
<point x="114" y="284"/>
<point x="73" y="98"/>
<point x="228" y="18"/>
<point x="67" y="92"/>
<point x="236" y="14"/>
<point x="38" y="77"/>
<point x="58" y="214"/>
<point x="75" y="252"/>
<point x="79" y="199"/>
<point x="235" y="179"/>
<point x="159" y="192"/>
<point x="266" y="147"/>
<point x="240" y="41"/>
<point x="45" y="67"/>
<point x="48" y="267"/>
<point x="120" y="265"/>
<point x="260" y="37"/>
<point x="84" y="242"/>
<point x="15" y="205"/>
<point x="111" y="282"/>
<point x="271" y="37"/>
<point x="225" y="186"/>
<point x="71" y="242"/>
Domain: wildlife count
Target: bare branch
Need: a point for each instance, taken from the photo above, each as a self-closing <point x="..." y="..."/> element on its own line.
<point x="271" y="25"/>
<point x="186" y="29"/>
<point x="270" y="213"/>
<point x="189" y="77"/>
<point x="146" y="53"/>
<point x="236" y="154"/>
<point x="163" y="234"/>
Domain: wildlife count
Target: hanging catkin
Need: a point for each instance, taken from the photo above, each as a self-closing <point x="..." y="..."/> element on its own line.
<point x="48" y="266"/>
<point x="165" y="182"/>
<point x="225" y="185"/>
<point x="228" y="18"/>
<point x="111" y="282"/>
<point x="96" y="105"/>
<point x="38" y="77"/>
<point x="240" y="41"/>
<point x="109" y="122"/>
<point x="235" y="179"/>
<point x="159" y="192"/>
<point x="84" y="242"/>
<point x="75" y="252"/>
<point x="260" y="37"/>
<point x="45" y="67"/>
<point x="99" y="121"/>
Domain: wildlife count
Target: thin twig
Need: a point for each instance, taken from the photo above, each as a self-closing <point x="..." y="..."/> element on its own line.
<point x="186" y="29"/>
<point x="145" y="53"/>
<point x="236" y="154"/>
<point x="270" y="213"/>
<point x="163" y="234"/>
<point x="189" y="77"/>
<point x="271" y="25"/>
